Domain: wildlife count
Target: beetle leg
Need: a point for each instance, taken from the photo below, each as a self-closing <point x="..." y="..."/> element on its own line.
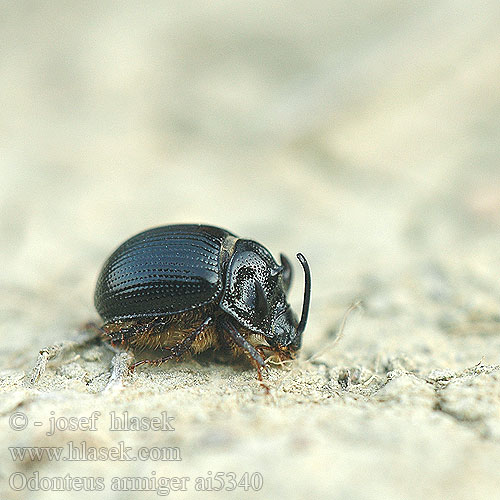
<point x="56" y="350"/>
<point x="243" y="343"/>
<point x="177" y="350"/>
<point x="254" y="354"/>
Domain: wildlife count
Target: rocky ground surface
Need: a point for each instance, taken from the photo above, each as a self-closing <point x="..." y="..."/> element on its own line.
<point x="365" y="137"/>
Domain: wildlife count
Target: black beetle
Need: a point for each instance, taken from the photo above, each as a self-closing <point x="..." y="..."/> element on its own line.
<point x="189" y="287"/>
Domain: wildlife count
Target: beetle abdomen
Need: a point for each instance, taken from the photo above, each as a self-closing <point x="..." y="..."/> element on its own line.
<point x="162" y="271"/>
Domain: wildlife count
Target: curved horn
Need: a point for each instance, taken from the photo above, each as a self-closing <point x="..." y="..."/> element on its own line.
<point x="307" y="294"/>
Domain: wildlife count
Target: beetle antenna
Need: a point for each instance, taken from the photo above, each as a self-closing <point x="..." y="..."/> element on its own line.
<point x="307" y="294"/>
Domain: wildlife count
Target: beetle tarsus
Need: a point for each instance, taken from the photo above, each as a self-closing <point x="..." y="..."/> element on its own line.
<point x="261" y="380"/>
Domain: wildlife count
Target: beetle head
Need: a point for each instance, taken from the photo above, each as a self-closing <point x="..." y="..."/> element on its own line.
<point x="287" y="332"/>
<point x="255" y="295"/>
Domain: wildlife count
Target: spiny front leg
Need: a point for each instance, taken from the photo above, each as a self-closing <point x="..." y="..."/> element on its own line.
<point x="248" y="348"/>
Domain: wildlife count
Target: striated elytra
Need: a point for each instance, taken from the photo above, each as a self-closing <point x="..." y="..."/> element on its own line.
<point x="189" y="287"/>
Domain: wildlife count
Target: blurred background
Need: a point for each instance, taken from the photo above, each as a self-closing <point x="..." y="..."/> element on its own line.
<point x="365" y="135"/>
<point x="362" y="135"/>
